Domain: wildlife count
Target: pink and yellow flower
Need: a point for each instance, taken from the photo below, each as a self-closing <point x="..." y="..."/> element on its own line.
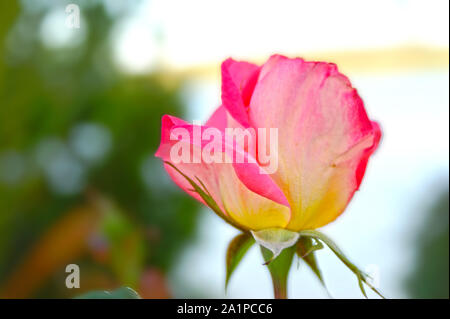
<point x="324" y="142"/>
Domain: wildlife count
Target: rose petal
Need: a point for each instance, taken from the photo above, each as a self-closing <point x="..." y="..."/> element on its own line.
<point x="325" y="136"/>
<point x="238" y="82"/>
<point x="242" y="205"/>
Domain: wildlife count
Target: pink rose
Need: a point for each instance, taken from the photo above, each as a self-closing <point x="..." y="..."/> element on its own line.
<point x="324" y="142"/>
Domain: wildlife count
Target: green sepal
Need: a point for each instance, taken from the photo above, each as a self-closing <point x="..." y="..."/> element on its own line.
<point x="306" y="246"/>
<point x="279" y="269"/>
<point x="237" y="249"/>
<point x="120" y="293"/>
<point x="206" y="196"/>
<point x="275" y="239"/>
<point x="305" y="250"/>
<point x="360" y="275"/>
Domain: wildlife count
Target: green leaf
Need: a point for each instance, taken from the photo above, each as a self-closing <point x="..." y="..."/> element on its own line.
<point x="120" y="293"/>
<point x="279" y="269"/>
<point x="237" y="249"/>
<point x="206" y="196"/>
<point x="360" y="275"/>
<point x="305" y="249"/>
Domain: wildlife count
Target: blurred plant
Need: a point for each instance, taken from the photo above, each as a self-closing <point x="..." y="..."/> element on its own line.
<point x="429" y="277"/>
<point x="77" y="181"/>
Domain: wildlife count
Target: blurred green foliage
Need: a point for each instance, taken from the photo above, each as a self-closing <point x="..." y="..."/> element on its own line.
<point x="77" y="139"/>
<point x="430" y="275"/>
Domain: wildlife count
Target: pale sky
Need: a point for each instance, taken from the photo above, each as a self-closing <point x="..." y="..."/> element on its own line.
<point x="183" y="34"/>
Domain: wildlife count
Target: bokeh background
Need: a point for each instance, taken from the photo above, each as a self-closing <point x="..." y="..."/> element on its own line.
<point x="80" y="113"/>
